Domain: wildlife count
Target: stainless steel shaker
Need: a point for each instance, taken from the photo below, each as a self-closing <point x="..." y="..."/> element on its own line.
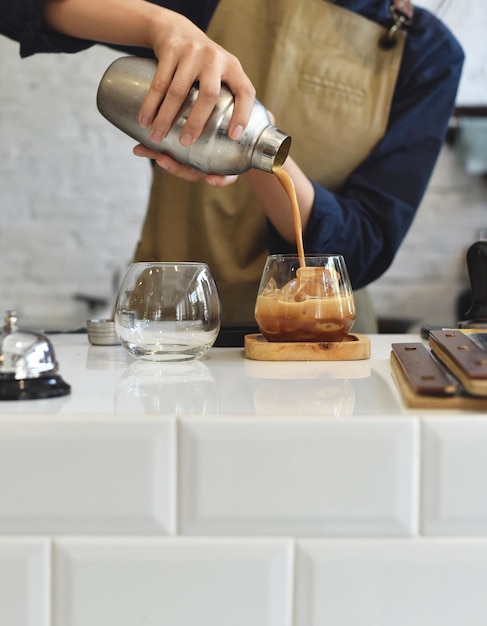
<point x="122" y="90"/>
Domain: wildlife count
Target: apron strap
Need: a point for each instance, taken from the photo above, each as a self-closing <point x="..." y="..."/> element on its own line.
<point x="404" y="8"/>
<point x="402" y="12"/>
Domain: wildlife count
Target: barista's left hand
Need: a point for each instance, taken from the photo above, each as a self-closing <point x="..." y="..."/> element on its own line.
<point x="183" y="171"/>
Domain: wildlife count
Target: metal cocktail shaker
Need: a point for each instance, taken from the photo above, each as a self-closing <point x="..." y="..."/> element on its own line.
<point x="122" y="90"/>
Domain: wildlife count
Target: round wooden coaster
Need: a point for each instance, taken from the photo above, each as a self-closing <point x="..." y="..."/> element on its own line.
<point x="352" y="348"/>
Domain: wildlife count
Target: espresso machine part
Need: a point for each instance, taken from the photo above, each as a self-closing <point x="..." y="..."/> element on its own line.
<point x="28" y="366"/>
<point x="122" y="90"/>
<point x="476" y="316"/>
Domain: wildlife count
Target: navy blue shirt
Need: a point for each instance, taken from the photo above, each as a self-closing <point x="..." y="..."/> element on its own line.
<point x="368" y="218"/>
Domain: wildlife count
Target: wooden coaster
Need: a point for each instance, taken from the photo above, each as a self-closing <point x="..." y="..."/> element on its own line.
<point x="352" y="348"/>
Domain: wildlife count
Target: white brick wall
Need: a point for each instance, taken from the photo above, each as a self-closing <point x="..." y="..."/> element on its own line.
<point x="72" y="196"/>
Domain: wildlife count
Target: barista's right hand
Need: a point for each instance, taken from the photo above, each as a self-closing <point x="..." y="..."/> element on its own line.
<point x="186" y="55"/>
<point x="183" y="171"/>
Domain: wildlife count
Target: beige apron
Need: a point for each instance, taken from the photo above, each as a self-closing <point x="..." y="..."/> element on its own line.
<point x="328" y="83"/>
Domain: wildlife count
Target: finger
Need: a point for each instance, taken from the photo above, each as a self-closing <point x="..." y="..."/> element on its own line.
<point x="142" y="151"/>
<point x="209" y="91"/>
<point x="199" y="65"/>
<point x="244" y="95"/>
<point x="155" y="97"/>
<point x="220" y="181"/>
<point x="178" y="169"/>
<point x="169" y="110"/>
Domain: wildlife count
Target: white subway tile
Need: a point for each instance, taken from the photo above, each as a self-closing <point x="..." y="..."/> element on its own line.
<point x="454" y="476"/>
<point x="391" y="582"/>
<point x="90" y="477"/>
<point x="298" y="477"/>
<point x="25" y="583"/>
<point x="173" y="582"/>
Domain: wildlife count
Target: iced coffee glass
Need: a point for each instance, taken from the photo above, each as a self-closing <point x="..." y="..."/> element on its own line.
<point x="305" y="303"/>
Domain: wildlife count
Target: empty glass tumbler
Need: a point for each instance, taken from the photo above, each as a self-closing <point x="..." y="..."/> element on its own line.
<point x="167" y="311"/>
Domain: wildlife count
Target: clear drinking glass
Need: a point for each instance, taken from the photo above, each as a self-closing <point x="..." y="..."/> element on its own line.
<point x="167" y="311"/>
<point x="309" y="303"/>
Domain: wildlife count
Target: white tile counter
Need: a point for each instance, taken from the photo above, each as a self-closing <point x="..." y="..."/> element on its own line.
<point x="228" y="492"/>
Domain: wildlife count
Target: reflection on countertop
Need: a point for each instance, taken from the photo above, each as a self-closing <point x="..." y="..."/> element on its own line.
<point x="107" y="382"/>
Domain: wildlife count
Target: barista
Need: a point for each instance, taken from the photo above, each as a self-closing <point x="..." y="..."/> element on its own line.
<point x="368" y="121"/>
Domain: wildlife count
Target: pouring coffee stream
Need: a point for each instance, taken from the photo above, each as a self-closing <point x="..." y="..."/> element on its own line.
<point x="288" y="184"/>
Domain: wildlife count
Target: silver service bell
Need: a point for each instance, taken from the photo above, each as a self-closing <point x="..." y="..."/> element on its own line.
<point x="28" y="366"/>
<point x="122" y="90"/>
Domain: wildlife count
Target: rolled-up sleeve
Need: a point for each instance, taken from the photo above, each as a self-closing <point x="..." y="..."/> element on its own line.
<point x="21" y="20"/>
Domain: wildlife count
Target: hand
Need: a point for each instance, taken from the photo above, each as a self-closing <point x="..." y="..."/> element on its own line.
<point x="183" y="171"/>
<point x="186" y="55"/>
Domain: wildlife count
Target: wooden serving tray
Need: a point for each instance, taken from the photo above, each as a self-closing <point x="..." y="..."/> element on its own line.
<point x="466" y="360"/>
<point x="424" y="384"/>
<point x="352" y="348"/>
